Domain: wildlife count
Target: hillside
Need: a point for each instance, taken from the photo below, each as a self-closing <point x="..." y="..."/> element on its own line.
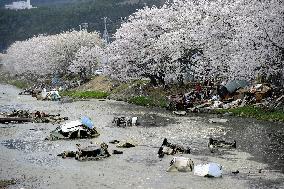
<point x="55" y="16"/>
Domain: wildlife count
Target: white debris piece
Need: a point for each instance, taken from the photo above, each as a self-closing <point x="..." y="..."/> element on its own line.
<point x="71" y="126"/>
<point x="208" y="170"/>
<point x="217" y="120"/>
<point x="181" y="164"/>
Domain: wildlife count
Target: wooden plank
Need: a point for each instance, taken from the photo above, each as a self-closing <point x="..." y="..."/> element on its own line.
<point x="14" y="119"/>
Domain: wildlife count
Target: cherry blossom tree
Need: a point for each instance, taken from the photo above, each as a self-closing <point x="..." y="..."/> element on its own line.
<point x="87" y="58"/>
<point x="45" y="55"/>
<point x="206" y="39"/>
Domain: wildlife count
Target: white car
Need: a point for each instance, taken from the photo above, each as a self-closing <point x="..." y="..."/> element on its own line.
<point x="98" y="72"/>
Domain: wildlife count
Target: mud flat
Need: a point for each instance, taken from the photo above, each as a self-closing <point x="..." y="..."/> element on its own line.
<point x="32" y="162"/>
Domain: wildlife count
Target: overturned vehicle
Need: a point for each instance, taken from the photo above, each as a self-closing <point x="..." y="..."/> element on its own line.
<point x="83" y="128"/>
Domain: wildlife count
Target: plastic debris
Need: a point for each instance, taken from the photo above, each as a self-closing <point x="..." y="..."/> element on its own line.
<point x="87" y="122"/>
<point x="208" y="170"/>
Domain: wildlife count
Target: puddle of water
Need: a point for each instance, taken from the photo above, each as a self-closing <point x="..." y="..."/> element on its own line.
<point x="27" y="146"/>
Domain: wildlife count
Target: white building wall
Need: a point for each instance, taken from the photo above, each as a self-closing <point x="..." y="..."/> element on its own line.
<point x="18" y="5"/>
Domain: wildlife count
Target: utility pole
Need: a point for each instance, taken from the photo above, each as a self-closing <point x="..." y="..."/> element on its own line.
<point x="106" y="39"/>
<point x="105" y="35"/>
<point x="85" y="25"/>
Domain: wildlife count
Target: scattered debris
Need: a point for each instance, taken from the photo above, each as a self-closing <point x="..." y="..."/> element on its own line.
<point x="171" y="149"/>
<point x="117" y="152"/>
<point x="125" y="145"/>
<point x="14" y="120"/>
<point x="234" y="85"/>
<point x="124" y="121"/>
<point x="75" y="129"/>
<point x="36" y="117"/>
<point x="236" y="172"/>
<point x="114" y="141"/>
<point x="217" y="120"/>
<point x="92" y="152"/>
<point x="236" y="93"/>
<point x="50" y="95"/>
<point x="212" y="144"/>
<point x="88" y="153"/>
<point x="65" y="154"/>
<point x="34" y="92"/>
<point x="181" y="164"/>
<point x="179" y="102"/>
<point x="208" y="170"/>
<point x="179" y="113"/>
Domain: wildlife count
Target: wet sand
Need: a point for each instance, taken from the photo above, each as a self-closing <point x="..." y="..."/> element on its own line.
<point x="34" y="163"/>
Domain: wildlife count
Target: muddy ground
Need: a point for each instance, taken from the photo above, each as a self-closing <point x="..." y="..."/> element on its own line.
<point x="33" y="162"/>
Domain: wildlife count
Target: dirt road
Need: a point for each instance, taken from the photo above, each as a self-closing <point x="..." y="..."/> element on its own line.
<point x="33" y="162"/>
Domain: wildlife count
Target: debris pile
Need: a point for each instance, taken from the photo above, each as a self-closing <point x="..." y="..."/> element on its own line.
<point x="52" y="95"/>
<point x="233" y="94"/>
<point x="184" y="164"/>
<point x="124" y="121"/>
<point x="42" y="94"/>
<point x="88" y="153"/>
<point x="171" y="149"/>
<point x="26" y="116"/>
<point x="83" y="128"/>
<point x="214" y="144"/>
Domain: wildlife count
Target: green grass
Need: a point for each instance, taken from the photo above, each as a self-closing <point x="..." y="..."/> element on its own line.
<point x="256" y="112"/>
<point x="148" y="101"/>
<point x="85" y="94"/>
<point x="19" y="84"/>
<point x="6" y="183"/>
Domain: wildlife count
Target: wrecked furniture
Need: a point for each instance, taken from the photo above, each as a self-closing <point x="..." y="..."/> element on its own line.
<point x="181" y="164"/>
<point x="124" y="121"/>
<point x="208" y="170"/>
<point x="171" y="149"/>
<point x="74" y="129"/>
<point x="88" y="153"/>
<point x="213" y="143"/>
